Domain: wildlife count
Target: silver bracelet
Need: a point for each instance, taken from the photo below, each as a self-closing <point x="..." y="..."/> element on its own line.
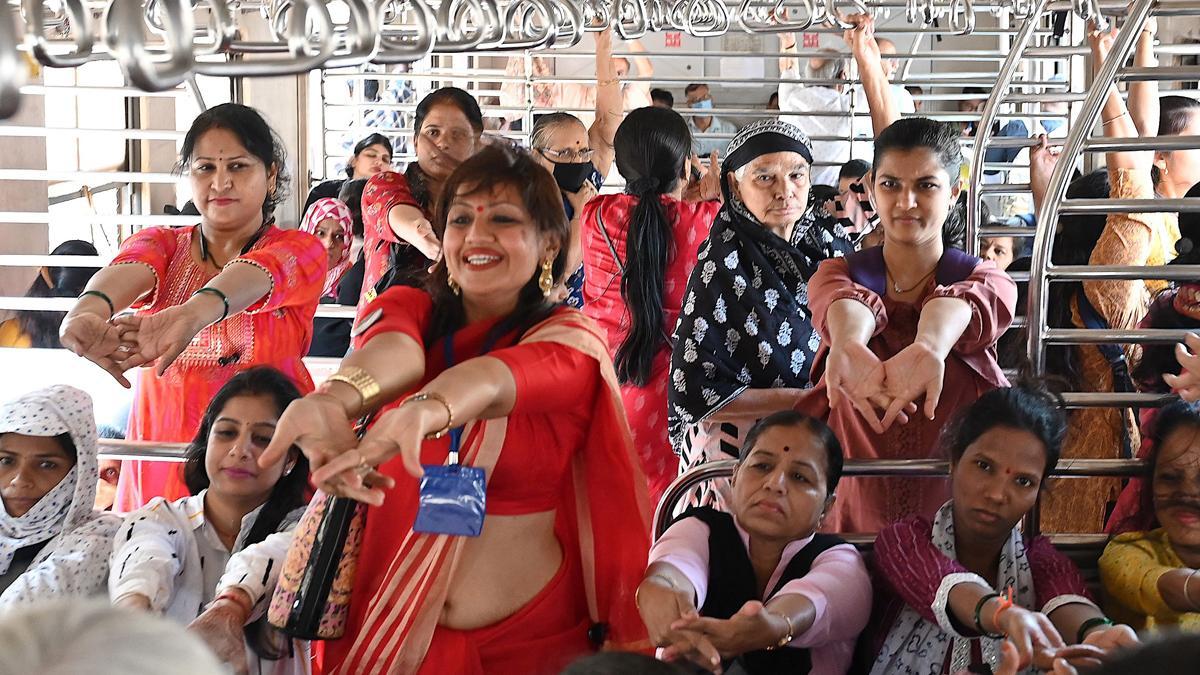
<point x="1188" y="596"/>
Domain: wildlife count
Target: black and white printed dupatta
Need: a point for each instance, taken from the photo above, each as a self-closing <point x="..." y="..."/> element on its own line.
<point x="745" y="322"/>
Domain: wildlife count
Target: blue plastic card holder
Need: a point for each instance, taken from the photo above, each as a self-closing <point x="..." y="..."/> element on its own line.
<point x="453" y="498"/>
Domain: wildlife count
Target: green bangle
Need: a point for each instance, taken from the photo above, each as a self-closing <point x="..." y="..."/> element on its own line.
<point x="112" y="310"/>
<point x="978" y="622"/>
<point x="219" y="294"/>
<point x="1090" y="624"/>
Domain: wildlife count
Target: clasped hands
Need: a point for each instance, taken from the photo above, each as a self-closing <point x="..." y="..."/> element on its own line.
<point x="884" y="392"/>
<point x="676" y="626"/>
<point x="128" y="341"/>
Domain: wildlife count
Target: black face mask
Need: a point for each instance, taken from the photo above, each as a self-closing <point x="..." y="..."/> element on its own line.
<point x="570" y="176"/>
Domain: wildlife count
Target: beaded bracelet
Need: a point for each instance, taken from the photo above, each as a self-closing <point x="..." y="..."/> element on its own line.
<point x="112" y="310"/>
<point x="979" y="621"/>
<point x="1090" y="624"/>
<point x="217" y="292"/>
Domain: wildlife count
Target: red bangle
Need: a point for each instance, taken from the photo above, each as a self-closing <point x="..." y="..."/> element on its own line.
<point x="238" y="597"/>
<point x="1006" y="602"/>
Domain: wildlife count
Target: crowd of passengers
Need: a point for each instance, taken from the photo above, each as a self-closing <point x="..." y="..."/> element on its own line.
<point x="585" y="349"/>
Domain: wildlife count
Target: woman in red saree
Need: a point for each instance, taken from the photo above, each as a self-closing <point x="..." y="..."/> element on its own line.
<point x="214" y="299"/>
<point x="397" y="208"/>
<point x="530" y="389"/>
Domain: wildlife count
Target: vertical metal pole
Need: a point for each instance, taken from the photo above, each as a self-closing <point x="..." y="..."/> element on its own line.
<point x="1047" y="217"/>
<point x="991" y="110"/>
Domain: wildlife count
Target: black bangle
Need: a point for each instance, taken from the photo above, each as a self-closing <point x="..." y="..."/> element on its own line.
<point x="979" y="609"/>
<point x="219" y="294"/>
<point x="1090" y="624"/>
<point x="112" y="310"/>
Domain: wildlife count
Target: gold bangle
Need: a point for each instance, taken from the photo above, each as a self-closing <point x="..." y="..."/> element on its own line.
<point x="360" y="380"/>
<point x="433" y="396"/>
<point x="1114" y="119"/>
<point x="601" y="83"/>
<point x="791" y="631"/>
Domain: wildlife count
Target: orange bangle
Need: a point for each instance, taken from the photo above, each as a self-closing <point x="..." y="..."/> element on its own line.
<point x="1006" y="602"/>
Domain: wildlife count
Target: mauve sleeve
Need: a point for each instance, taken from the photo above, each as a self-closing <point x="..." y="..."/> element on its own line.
<point x="992" y="295"/>
<point x="831" y="283"/>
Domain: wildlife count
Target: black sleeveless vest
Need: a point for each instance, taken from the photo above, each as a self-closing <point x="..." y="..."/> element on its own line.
<point x="731" y="584"/>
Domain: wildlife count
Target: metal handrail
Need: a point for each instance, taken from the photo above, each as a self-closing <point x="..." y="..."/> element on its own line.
<point x="724" y="468"/>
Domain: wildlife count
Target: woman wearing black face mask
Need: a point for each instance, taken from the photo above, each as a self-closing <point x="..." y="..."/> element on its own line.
<point x="580" y="157"/>
<point x="639" y="250"/>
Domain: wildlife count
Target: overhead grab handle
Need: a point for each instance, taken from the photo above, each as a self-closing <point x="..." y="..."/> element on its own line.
<point x="305" y="52"/>
<point x="126" y="39"/>
<point x="962" y="17"/>
<point x="456" y="32"/>
<point x="73" y="14"/>
<point x="406" y="44"/>
<point x="631" y="20"/>
<point x="761" y="19"/>
<point x="707" y="18"/>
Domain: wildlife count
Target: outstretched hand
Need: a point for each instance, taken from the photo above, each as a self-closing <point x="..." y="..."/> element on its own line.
<point x="913" y="372"/>
<point x="1187" y="382"/>
<point x="160" y="337"/>
<point x="97" y="340"/>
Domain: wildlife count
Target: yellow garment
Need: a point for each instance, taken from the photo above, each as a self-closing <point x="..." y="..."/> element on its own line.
<point x="1129" y="571"/>
<point x="12" y="336"/>
<point x="1080" y="504"/>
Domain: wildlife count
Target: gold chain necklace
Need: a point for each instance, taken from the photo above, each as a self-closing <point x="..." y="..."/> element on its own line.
<point x="902" y="291"/>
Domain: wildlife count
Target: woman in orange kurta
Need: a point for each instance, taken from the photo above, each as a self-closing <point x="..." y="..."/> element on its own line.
<point x="483" y="355"/>
<point x="907" y="321"/>
<point x="214" y="299"/>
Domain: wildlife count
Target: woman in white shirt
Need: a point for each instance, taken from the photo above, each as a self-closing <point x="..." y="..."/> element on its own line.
<point x="169" y="557"/>
<point x="52" y="543"/>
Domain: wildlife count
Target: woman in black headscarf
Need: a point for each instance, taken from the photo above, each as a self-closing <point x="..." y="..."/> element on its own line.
<point x="745" y="338"/>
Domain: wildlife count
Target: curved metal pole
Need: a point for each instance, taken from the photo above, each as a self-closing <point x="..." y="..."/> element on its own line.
<point x="1047" y="217"/>
<point x="990" y="110"/>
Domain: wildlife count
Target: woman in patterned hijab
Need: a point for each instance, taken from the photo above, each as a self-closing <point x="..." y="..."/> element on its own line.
<point x="52" y="544"/>
<point x="745" y="338"/>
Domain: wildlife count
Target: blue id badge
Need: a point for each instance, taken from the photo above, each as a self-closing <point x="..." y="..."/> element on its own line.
<point x="453" y="498"/>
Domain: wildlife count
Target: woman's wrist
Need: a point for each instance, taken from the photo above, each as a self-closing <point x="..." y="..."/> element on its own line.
<point x="204" y="309"/>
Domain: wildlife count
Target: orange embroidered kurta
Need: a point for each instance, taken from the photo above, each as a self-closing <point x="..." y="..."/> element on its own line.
<point x="274" y="331"/>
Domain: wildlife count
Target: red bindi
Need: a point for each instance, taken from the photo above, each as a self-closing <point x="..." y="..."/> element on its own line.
<point x="787" y="448"/>
<point x="478" y="209"/>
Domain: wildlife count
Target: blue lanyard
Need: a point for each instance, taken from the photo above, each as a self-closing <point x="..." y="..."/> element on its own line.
<point x="456" y="432"/>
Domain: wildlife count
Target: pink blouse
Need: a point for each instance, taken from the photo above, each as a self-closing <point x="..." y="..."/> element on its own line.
<point x="837" y="585"/>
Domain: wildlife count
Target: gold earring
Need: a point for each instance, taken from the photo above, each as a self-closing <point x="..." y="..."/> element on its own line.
<point x="454" y="287"/>
<point x="546" y="279"/>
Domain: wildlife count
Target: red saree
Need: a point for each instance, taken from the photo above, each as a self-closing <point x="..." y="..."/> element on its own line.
<point x="404" y="577"/>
